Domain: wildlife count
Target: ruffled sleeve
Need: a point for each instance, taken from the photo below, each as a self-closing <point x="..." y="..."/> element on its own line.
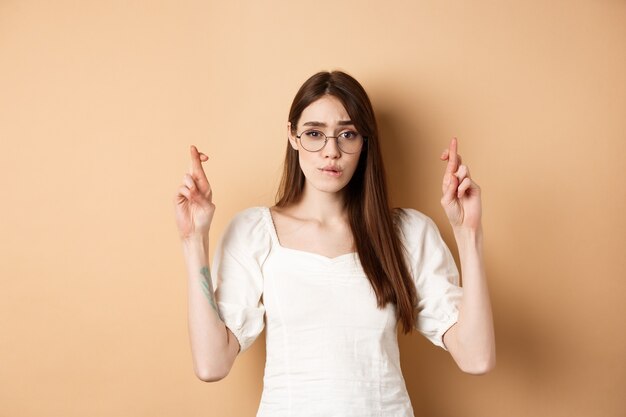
<point x="237" y="266"/>
<point x="435" y="275"/>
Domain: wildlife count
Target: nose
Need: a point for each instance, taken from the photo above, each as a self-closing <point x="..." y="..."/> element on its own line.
<point x="331" y="149"/>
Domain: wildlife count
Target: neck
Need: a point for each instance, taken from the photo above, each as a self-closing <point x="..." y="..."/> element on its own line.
<point x="321" y="205"/>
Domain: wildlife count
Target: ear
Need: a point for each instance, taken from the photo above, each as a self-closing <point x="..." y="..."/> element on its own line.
<point x="291" y="137"/>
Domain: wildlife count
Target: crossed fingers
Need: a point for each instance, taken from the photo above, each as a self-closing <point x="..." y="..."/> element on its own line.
<point x="195" y="169"/>
<point x="196" y="177"/>
<point x="455" y="168"/>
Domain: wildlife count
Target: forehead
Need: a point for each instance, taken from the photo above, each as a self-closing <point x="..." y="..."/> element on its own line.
<point x="327" y="109"/>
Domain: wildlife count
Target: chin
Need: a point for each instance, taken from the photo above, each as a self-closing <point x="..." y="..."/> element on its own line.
<point x="327" y="188"/>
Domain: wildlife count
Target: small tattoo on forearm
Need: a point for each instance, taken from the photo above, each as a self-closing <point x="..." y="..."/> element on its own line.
<point x="207" y="289"/>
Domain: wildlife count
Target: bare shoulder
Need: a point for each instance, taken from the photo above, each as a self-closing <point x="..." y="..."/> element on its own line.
<point x="283" y="217"/>
<point x="279" y="211"/>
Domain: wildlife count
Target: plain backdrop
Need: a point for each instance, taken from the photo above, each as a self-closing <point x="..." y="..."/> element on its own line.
<point x="100" y="101"/>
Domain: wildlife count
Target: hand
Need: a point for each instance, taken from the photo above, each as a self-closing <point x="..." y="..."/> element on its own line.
<point x="461" y="195"/>
<point x="193" y="202"/>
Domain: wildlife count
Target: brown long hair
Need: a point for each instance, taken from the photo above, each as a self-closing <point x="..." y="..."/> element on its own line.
<point x="374" y="225"/>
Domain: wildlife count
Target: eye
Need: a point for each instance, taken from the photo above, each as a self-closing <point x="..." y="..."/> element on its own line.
<point x="313" y="134"/>
<point x="349" y="134"/>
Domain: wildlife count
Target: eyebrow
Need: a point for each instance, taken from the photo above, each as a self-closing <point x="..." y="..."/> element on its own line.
<point x="321" y="124"/>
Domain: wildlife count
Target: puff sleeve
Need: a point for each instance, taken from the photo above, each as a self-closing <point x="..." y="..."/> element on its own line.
<point x="237" y="266"/>
<point x="435" y="275"/>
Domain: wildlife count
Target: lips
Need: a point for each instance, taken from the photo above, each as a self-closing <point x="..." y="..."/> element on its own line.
<point x="332" y="171"/>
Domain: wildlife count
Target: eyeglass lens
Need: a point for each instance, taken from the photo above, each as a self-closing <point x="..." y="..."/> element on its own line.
<point x="348" y="141"/>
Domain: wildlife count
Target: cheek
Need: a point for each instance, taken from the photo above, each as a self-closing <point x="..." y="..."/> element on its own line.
<point x="354" y="164"/>
<point x="305" y="162"/>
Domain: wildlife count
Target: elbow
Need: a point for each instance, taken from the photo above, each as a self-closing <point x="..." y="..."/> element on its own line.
<point x="209" y="377"/>
<point x="480" y="366"/>
<point x="208" y="374"/>
<point x="213" y="365"/>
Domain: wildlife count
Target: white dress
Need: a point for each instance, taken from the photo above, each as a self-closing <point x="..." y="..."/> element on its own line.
<point x="330" y="350"/>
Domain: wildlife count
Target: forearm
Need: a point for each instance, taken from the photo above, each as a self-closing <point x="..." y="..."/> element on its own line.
<point x="207" y="332"/>
<point x="473" y="335"/>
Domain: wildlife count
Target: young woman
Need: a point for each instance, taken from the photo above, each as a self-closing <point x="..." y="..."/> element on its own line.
<point x="331" y="270"/>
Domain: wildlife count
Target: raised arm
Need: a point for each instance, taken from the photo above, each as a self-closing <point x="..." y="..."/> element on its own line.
<point x="213" y="346"/>
<point x="471" y="341"/>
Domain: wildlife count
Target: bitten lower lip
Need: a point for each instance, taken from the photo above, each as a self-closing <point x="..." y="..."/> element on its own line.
<point x="330" y="172"/>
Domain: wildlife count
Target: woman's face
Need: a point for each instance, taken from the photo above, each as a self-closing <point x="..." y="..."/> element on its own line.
<point x="330" y="169"/>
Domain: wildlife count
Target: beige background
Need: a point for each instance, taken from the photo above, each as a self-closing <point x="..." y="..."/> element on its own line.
<point x="99" y="102"/>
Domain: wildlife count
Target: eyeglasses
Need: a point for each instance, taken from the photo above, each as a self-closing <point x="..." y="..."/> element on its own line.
<point x="348" y="141"/>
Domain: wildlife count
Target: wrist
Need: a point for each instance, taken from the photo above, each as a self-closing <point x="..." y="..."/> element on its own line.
<point x="195" y="240"/>
<point x="468" y="235"/>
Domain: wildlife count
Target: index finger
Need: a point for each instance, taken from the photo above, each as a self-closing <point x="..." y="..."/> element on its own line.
<point x="453" y="160"/>
<point x="196" y="165"/>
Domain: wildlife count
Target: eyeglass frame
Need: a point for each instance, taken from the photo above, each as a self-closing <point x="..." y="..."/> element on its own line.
<point x="326" y="141"/>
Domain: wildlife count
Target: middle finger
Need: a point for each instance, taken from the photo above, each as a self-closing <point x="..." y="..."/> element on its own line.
<point x="444" y="156"/>
<point x="453" y="163"/>
<point x="196" y="169"/>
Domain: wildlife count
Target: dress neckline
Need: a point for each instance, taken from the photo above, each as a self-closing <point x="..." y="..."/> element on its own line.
<point x="272" y="228"/>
